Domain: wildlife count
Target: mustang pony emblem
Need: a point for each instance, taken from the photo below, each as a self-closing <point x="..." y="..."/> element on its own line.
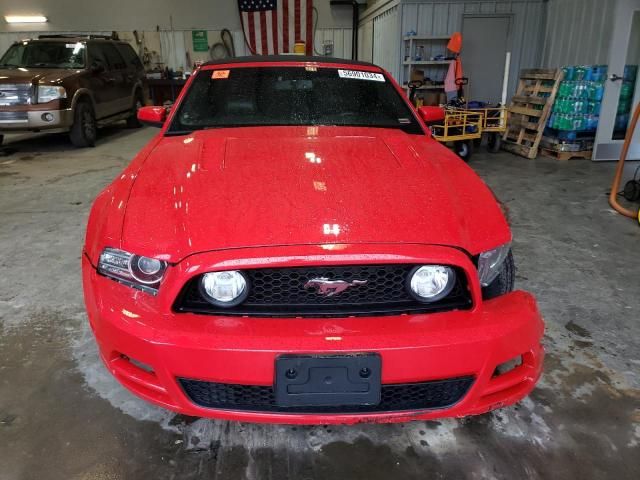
<point x="329" y="288"/>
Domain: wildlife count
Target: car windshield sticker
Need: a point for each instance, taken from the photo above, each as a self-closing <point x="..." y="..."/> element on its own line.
<point x="217" y="74"/>
<point x="359" y="75"/>
<point x="404" y="121"/>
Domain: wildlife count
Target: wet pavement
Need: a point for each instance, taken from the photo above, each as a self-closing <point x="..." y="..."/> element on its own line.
<point x="63" y="417"/>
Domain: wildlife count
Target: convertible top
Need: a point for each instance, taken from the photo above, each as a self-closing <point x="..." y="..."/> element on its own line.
<point x="288" y="58"/>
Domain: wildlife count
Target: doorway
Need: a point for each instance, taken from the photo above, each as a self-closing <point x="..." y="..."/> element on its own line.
<point x="622" y="88"/>
<point x="484" y="48"/>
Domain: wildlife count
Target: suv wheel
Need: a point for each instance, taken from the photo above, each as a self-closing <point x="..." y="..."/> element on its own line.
<point x="84" y="129"/>
<point x="132" y="121"/>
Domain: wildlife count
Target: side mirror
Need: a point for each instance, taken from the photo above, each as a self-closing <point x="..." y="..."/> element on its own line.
<point x="152" y="116"/>
<point x="431" y="114"/>
<point x="97" y="67"/>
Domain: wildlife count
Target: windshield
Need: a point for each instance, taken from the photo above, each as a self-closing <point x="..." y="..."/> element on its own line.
<point x="268" y="96"/>
<point x="44" y="55"/>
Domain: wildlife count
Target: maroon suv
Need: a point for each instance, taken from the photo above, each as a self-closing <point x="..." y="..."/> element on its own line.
<point x="69" y="83"/>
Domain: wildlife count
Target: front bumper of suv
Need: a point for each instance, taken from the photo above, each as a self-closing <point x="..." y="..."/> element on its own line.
<point x="208" y="365"/>
<point x="26" y="119"/>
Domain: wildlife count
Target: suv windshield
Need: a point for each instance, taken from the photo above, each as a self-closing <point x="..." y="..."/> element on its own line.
<point x="267" y="96"/>
<point x="44" y="55"/>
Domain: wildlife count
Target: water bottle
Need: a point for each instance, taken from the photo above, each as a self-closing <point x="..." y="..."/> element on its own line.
<point x="569" y="73"/>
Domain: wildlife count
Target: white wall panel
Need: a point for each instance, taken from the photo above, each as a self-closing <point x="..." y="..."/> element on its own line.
<point x="386" y="52"/>
<point x="365" y="41"/>
<point x="341" y="38"/>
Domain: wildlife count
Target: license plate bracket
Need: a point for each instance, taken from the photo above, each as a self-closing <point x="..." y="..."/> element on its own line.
<point x="328" y="380"/>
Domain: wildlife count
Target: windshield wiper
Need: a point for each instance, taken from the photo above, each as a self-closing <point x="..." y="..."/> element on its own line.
<point x="43" y="65"/>
<point x="8" y="65"/>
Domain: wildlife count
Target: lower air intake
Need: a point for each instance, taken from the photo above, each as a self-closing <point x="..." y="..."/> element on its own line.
<point x="395" y="397"/>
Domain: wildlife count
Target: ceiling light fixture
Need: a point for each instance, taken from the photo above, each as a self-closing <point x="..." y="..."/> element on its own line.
<point x="25" y="18"/>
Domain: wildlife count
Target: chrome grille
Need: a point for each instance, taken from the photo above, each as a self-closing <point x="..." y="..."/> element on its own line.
<point x="15" y="94"/>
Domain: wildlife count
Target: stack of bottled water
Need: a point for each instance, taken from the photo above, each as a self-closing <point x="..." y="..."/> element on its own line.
<point x="579" y="97"/>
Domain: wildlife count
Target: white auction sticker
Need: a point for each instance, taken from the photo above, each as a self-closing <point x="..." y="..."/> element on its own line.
<point x="360" y="75"/>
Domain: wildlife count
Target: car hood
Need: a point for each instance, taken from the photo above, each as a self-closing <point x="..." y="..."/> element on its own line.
<point x="51" y="76"/>
<point x="250" y="187"/>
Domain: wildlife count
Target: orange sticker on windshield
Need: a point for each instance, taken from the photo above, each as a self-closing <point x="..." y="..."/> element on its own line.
<point x="217" y="74"/>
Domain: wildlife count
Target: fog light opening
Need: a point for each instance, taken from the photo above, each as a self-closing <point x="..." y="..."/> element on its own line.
<point x="47" y="117"/>
<point x="508" y="366"/>
<point x="137" y="363"/>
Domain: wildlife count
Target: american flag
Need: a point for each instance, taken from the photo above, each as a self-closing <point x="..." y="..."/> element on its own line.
<point x="273" y="26"/>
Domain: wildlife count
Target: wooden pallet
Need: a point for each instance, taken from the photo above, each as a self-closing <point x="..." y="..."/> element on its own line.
<point x="529" y="111"/>
<point x="558" y="155"/>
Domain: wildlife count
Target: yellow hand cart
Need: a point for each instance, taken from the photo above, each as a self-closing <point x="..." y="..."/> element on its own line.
<point x="494" y="124"/>
<point x="453" y="126"/>
<point x="458" y="129"/>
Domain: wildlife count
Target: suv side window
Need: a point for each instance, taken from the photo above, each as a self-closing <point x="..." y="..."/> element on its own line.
<point x="130" y="56"/>
<point x="114" y="59"/>
<point x="96" y="55"/>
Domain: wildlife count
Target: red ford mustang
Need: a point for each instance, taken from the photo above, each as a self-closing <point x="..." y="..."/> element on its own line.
<point x="293" y="247"/>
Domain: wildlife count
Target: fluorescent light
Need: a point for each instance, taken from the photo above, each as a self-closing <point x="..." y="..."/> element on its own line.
<point x="25" y="18"/>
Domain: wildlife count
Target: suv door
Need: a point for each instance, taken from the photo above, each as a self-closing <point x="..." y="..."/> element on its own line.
<point x="135" y="70"/>
<point x="103" y="82"/>
<point x="118" y="70"/>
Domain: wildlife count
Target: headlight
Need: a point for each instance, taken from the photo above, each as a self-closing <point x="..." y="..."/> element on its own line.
<point x="224" y="289"/>
<point x="134" y="270"/>
<point x="490" y="263"/>
<point x="46" y="94"/>
<point x="430" y="283"/>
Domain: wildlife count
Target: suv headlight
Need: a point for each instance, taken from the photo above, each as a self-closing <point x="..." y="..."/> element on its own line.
<point x="490" y="263"/>
<point x="136" y="271"/>
<point x="47" y="94"/>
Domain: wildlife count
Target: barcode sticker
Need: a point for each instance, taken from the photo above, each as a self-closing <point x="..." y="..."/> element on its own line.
<point x="360" y="75"/>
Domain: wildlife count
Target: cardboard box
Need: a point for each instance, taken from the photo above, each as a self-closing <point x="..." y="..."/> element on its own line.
<point x="417" y="74"/>
<point x="431" y="98"/>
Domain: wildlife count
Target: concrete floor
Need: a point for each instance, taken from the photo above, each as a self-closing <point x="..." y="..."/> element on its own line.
<point x="63" y="417"/>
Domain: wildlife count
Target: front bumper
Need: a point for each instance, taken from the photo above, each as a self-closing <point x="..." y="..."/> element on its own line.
<point x="242" y="351"/>
<point x="28" y="120"/>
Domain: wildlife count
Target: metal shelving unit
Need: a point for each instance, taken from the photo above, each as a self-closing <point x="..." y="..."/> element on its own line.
<point x="431" y="46"/>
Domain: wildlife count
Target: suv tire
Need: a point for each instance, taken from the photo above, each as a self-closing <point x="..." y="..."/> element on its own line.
<point x="132" y="121"/>
<point x="503" y="282"/>
<point x="84" y="129"/>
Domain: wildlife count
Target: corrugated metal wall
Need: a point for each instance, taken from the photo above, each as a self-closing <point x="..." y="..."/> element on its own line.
<point x="578" y="32"/>
<point x="386" y="51"/>
<point x="444" y="18"/>
<point x="341" y="38"/>
<point x="365" y="41"/>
